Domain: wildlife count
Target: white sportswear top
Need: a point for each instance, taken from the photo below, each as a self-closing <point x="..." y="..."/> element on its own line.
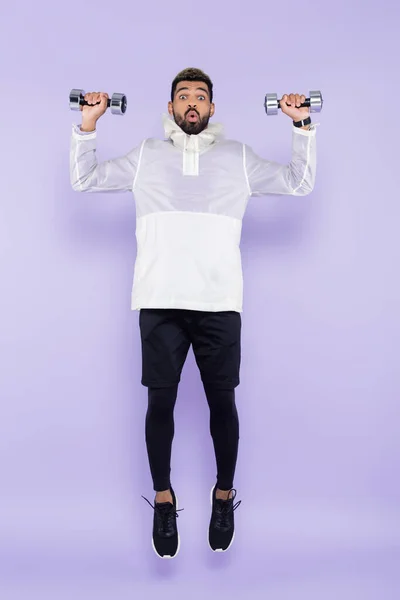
<point x="191" y="193"/>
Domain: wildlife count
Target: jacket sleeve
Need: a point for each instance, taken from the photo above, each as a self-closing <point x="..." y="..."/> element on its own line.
<point x="87" y="175"/>
<point x="296" y="178"/>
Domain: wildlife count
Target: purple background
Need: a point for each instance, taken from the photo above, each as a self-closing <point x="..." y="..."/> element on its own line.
<point x="318" y="467"/>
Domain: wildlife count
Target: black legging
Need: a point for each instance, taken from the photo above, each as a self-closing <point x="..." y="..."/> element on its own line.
<point x="224" y="429"/>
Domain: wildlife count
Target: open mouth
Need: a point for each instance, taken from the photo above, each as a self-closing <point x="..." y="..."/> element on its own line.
<point x="192" y="116"/>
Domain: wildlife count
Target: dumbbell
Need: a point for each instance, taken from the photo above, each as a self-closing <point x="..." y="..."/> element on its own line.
<point x="315" y="103"/>
<point x="117" y="102"/>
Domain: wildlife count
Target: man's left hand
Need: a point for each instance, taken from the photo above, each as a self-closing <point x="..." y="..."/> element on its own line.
<point x="293" y="111"/>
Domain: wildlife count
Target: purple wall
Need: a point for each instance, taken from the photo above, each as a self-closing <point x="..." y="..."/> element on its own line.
<point x="318" y="468"/>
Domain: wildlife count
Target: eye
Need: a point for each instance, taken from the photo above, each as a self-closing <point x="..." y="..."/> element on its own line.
<point x="182" y="96"/>
<point x="202" y="97"/>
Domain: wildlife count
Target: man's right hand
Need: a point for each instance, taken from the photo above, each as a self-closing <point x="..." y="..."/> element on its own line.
<point x="91" y="113"/>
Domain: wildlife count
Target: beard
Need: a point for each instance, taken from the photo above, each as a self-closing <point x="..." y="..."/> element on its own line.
<point x="189" y="127"/>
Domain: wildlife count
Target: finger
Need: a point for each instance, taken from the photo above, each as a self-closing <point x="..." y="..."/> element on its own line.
<point x="298" y="100"/>
<point x="292" y="99"/>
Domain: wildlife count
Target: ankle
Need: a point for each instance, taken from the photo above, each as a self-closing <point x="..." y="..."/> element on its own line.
<point x="164" y="496"/>
<point x="223" y="494"/>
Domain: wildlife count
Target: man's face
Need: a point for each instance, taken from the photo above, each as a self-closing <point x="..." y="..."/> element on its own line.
<point x="191" y="107"/>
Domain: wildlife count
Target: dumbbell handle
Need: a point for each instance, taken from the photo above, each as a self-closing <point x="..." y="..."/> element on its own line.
<point x="305" y="104"/>
<point x="83" y="102"/>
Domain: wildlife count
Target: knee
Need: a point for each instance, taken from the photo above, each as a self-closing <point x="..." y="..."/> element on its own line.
<point x="220" y="400"/>
<point x="161" y="402"/>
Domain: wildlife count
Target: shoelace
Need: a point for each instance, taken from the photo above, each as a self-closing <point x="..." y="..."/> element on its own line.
<point x="226" y="508"/>
<point x="165" y="513"/>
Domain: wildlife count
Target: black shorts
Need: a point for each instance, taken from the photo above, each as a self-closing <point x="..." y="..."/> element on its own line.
<point x="166" y="336"/>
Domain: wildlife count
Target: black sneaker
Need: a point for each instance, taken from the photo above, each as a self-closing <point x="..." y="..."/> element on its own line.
<point x="165" y="540"/>
<point x="221" y="532"/>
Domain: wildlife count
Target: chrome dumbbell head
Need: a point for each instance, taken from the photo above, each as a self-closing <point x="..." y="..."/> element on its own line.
<point x="314" y="102"/>
<point x="75" y="97"/>
<point x="117" y="102"/>
<point x="271" y="104"/>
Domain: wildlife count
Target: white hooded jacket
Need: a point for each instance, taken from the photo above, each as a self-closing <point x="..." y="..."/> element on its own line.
<point x="191" y="193"/>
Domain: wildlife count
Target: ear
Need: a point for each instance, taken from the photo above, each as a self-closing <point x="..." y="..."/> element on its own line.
<point x="170" y="108"/>
<point x="212" y="109"/>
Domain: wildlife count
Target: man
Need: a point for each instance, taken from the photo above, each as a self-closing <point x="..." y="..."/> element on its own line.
<point x="191" y="191"/>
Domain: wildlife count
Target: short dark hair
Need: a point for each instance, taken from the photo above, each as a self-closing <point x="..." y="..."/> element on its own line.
<point x="192" y="74"/>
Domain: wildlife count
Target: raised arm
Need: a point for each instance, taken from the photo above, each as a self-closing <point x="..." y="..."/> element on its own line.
<point x="86" y="174"/>
<point x="296" y="178"/>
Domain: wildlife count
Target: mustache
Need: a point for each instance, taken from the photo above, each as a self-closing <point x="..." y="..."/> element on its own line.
<point x="191" y="110"/>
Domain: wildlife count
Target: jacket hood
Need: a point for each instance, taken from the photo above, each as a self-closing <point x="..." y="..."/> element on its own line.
<point x="193" y="143"/>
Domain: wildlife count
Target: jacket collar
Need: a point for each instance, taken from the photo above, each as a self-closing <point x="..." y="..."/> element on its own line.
<point x="194" y="143"/>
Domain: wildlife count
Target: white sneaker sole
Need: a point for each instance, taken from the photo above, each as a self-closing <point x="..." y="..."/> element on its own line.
<point x="208" y="538"/>
<point x="168" y="556"/>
